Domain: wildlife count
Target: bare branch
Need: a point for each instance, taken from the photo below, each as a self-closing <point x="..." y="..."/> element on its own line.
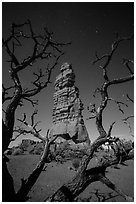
<point x="109" y="56"/>
<point x="4" y="93"/>
<point x="32" y="128"/>
<point x="23" y="120"/>
<point x="121" y="80"/>
<point x="20" y="132"/>
<point x="110" y="129"/>
<point x="126" y="62"/>
<point x="33" y="102"/>
<point x="94" y="146"/>
<point x="12" y="56"/>
<point x="108" y="183"/>
<point x="131" y="116"/>
<point x="43" y="47"/>
<point x="130" y="99"/>
<point x="107" y="83"/>
<point x="30" y="181"/>
<point x="83" y="178"/>
<point x="119" y="103"/>
<point x="39" y="48"/>
<point x="125" y="120"/>
<point x="40" y="86"/>
<point x="38" y="75"/>
<point x="99" y="58"/>
<point x="32" y="117"/>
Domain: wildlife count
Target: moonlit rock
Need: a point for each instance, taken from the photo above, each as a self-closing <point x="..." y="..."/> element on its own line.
<point x="67" y="115"/>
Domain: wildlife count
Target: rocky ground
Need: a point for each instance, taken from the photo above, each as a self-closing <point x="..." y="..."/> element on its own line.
<point x="58" y="173"/>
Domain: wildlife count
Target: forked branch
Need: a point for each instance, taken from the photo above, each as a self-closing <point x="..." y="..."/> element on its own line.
<point x="31" y="128"/>
<point x="28" y="183"/>
<point x="85" y="176"/>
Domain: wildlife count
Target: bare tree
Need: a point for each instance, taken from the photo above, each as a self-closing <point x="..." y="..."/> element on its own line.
<point x="28" y="183"/>
<point x="85" y="176"/>
<point x="43" y="47"/>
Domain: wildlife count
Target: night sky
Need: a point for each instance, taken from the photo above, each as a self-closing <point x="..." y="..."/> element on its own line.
<point x="90" y="27"/>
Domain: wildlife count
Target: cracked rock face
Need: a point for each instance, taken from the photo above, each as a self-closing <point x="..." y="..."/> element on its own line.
<point x="68" y="121"/>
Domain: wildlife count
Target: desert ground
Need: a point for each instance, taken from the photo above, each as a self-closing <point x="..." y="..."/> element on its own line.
<point x="57" y="174"/>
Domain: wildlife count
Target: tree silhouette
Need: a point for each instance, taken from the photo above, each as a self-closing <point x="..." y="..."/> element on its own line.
<point x="43" y="47"/>
<point x="85" y="176"/>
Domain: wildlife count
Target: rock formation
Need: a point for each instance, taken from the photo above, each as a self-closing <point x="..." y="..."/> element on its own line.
<point x="68" y="120"/>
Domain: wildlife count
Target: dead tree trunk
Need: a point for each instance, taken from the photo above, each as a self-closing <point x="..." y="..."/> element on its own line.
<point x="84" y="177"/>
<point x="68" y="192"/>
<point x="44" y="47"/>
<point x="27" y="184"/>
<point x="8" y="191"/>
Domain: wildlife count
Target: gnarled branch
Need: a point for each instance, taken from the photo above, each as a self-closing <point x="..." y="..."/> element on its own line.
<point x="28" y="183"/>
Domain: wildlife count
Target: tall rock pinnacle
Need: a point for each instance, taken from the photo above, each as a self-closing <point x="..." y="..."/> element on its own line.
<point x="68" y="120"/>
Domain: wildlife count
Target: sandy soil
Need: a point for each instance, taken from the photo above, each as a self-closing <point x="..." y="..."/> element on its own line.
<point x="57" y="174"/>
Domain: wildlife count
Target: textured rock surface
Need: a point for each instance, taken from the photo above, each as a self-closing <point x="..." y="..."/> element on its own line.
<point x="67" y="110"/>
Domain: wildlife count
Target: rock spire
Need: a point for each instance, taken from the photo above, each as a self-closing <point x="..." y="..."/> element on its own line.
<point x="67" y="115"/>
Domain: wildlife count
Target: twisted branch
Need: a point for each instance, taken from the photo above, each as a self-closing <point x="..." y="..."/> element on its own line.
<point x="28" y="183"/>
